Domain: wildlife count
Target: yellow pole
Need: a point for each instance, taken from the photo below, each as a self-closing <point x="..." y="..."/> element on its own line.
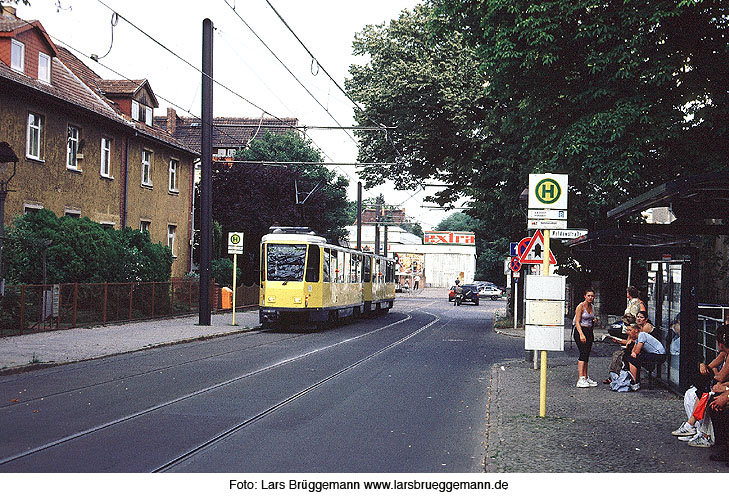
<point x="543" y="374"/>
<point x="235" y="265"/>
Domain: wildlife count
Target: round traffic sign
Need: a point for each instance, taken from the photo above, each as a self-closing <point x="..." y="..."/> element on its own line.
<point x="515" y="264"/>
<point x="548" y="191"/>
<point x="522" y="246"/>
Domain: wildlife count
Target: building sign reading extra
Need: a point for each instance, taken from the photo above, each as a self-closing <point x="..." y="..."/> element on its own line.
<point x="449" y="237"/>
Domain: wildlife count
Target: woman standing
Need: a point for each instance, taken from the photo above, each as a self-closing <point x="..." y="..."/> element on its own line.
<point x="584" y="323"/>
<point x="635" y="304"/>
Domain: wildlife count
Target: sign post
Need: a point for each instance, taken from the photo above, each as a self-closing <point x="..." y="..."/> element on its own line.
<point x="547" y="210"/>
<point x="235" y="247"/>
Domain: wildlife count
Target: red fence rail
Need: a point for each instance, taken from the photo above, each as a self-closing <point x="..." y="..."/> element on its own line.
<point x="30" y="308"/>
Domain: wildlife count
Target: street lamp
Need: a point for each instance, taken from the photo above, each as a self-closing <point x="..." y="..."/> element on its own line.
<point x="7" y="156"/>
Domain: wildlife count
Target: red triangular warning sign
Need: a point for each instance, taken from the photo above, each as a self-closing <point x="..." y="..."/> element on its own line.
<point x="527" y="256"/>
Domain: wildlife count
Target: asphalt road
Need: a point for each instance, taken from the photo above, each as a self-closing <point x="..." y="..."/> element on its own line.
<point x="402" y="392"/>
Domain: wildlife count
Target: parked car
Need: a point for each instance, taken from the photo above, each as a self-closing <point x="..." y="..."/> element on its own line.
<point x="470" y="293"/>
<point x="491" y="292"/>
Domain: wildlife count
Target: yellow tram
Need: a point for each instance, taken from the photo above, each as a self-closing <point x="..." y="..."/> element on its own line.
<point x="306" y="279"/>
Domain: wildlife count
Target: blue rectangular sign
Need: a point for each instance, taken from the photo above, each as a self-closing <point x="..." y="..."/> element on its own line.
<point x="512" y="249"/>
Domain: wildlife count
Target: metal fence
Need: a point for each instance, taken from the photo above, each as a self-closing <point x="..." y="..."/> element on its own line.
<point x="31" y="308"/>
<point x="710" y="317"/>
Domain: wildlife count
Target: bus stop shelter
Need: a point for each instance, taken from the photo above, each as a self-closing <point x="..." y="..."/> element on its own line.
<point x="700" y="205"/>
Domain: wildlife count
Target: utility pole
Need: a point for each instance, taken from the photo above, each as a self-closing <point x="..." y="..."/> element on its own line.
<point x="359" y="216"/>
<point x="206" y="212"/>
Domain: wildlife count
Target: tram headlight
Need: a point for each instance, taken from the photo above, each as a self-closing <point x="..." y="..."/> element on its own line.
<point x="297" y="299"/>
<point x="271" y="298"/>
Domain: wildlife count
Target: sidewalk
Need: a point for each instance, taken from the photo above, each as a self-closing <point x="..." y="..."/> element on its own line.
<point x="29" y="351"/>
<point x="585" y="429"/>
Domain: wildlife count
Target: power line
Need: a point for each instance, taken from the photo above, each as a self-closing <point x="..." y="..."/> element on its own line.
<point x="287" y="69"/>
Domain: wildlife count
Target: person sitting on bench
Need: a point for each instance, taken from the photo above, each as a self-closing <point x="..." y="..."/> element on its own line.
<point x="647" y="349"/>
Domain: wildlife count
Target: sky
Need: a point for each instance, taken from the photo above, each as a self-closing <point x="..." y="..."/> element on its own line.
<point x="169" y="56"/>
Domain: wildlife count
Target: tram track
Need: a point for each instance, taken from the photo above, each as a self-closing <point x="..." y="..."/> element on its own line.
<point x="153" y="370"/>
<point x="196" y="393"/>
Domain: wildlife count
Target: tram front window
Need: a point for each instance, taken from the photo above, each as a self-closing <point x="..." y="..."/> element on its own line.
<point x="285" y="262"/>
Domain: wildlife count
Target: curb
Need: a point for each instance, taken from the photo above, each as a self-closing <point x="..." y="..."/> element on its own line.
<point x="42" y="365"/>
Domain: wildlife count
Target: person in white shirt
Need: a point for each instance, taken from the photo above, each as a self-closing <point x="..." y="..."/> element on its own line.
<point x="647" y="349"/>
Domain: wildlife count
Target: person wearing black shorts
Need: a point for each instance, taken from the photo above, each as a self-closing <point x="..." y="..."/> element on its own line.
<point x="584" y="337"/>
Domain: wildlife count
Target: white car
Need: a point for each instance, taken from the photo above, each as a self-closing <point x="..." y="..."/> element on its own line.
<point x="489" y="292"/>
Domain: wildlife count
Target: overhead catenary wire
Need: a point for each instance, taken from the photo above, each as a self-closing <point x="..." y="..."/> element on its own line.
<point x="287" y="69"/>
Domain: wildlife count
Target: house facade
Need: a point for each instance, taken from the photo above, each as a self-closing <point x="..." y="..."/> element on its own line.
<point x="87" y="146"/>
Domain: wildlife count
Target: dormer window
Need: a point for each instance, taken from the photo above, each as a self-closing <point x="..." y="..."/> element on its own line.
<point x="44" y="67"/>
<point x="142" y="113"/>
<point x="17" y="56"/>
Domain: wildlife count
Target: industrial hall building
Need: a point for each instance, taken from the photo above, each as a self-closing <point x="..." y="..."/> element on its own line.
<point x="88" y="146"/>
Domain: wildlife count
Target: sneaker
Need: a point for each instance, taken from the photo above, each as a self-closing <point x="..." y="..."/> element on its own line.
<point x="583" y="383"/>
<point x="591" y="382"/>
<point x="700" y="441"/>
<point x="635" y="387"/>
<point x="684" y="430"/>
<point x="687" y="438"/>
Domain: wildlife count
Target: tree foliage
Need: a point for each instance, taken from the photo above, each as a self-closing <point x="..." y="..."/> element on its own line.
<point x="80" y="250"/>
<point x="619" y="95"/>
<point x="251" y="197"/>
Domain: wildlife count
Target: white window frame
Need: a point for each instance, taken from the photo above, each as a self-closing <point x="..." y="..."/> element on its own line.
<point x="135" y="110"/>
<point x="105" y="168"/>
<point x="147" y="168"/>
<point x="72" y="212"/>
<point x="72" y="142"/>
<point x="145" y="226"/>
<point x="44" y="61"/>
<point x="34" y="137"/>
<point x="31" y="207"/>
<point x="171" y="236"/>
<point x="148" y="115"/>
<point x="17" y="56"/>
<point x="174" y="168"/>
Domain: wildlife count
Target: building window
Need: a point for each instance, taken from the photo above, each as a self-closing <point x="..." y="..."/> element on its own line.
<point x="106" y="157"/>
<point x="34" y="144"/>
<point x="148" y="115"/>
<point x="174" y="164"/>
<point x="171" y="230"/>
<point x="17" y="56"/>
<point x="147" y="168"/>
<point x="135" y="110"/>
<point x="107" y="225"/>
<point x="32" y="208"/>
<point x="72" y="147"/>
<point x="69" y="212"/>
<point x="144" y="226"/>
<point x="44" y="67"/>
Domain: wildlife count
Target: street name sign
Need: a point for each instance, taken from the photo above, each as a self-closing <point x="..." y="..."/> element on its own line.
<point x="567" y="233"/>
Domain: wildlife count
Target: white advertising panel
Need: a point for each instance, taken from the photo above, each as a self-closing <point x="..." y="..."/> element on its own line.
<point x="544" y="338"/>
<point x="544" y="313"/>
<point x="546" y="287"/>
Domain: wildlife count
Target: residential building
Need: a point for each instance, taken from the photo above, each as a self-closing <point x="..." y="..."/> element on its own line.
<point x="88" y="146"/>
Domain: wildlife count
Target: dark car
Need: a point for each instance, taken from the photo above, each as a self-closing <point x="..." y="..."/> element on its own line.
<point x="470" y="293"/>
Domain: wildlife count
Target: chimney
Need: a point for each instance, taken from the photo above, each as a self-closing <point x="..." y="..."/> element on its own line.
<point x="171" y="120"/>
<point x="8" y="12"/>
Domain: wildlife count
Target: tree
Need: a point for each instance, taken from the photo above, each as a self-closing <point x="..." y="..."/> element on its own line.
<point x="251" y="197"/>
<point x="620" y="96"/>
<point x="80" y="250"/>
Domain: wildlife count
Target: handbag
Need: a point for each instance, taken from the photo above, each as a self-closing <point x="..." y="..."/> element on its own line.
<point x="701" y="406"/>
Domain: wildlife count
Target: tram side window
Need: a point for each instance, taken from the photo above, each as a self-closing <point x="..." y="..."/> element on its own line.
<point x="335" y="266"/>
<point x="367" y="269"/>
<point x="326" y="277"/>
<point x="358" y="277"/>
<point x="312" y="263"/>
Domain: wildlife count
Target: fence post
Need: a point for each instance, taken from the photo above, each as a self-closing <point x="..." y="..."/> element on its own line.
<point x="58" y="316"/>
<point x="131" y="293"/>
<point x="22" y="307"/>
<point x="106" y="289"/>
<point x="75" y="303"/>
<point x="172" y="299"/>
<point x="153" y="293"/>
<point x="189" y="297"/>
